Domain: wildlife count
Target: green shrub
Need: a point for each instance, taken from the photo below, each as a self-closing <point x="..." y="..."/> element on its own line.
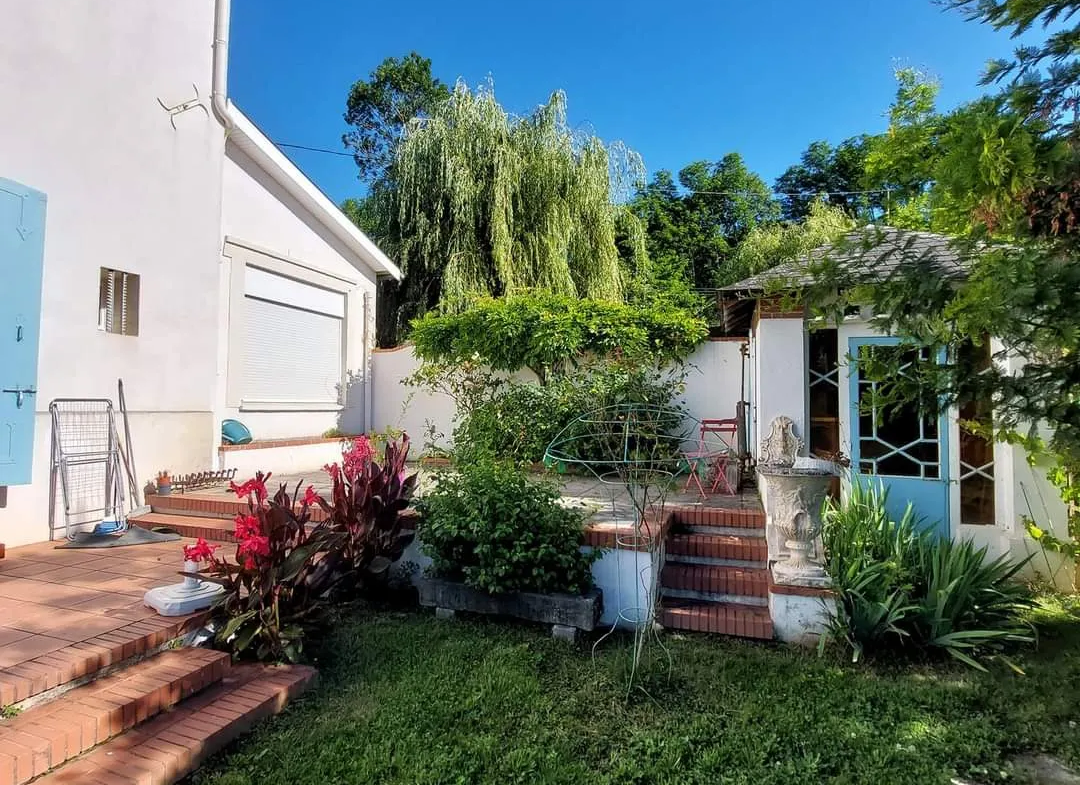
<point x="494" y="528"/>
<point x="520" y="419"/>
<point x="902" y="588"/>
<point x="551" y="333"/>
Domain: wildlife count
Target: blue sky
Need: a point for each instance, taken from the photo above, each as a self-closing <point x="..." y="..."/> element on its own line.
<point x="676" y="81"/>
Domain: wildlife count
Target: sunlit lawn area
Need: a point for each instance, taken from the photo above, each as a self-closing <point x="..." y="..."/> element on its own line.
<point x="404" y="698"/>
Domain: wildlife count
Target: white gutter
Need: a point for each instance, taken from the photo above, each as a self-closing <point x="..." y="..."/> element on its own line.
<point x="219" y="83"/>
<point x="255" y="144"/>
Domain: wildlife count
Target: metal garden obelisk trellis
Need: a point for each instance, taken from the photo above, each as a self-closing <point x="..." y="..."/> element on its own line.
<point x="635" y="451"/>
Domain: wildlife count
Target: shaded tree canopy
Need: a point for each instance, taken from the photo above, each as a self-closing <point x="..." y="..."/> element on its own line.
<point x="693" y="226"/>
<point x="830" y="172"/>
<point x="379" y="108"/>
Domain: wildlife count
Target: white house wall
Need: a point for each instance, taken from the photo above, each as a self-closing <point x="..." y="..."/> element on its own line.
<point x="714" y="379"/>
<point x="263" y="219"/>
<point x="125" y="191"/>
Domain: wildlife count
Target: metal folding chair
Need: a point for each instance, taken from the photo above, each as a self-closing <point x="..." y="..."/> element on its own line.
<point x="727" y="431"/>
<point x="715" y="461"/>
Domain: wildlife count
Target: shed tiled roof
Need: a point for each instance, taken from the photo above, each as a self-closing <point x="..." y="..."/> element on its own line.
<point x="872" y="253"/>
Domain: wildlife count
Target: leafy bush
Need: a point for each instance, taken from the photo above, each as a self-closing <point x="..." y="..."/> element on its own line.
<point x="494" y="528"/>
<point x="518" y="420"/>
<point x="550" y="334"/>
<point x="899" y="587"/>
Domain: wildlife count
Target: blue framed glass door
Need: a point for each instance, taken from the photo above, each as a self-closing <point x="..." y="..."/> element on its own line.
<point x="905" y="448"/>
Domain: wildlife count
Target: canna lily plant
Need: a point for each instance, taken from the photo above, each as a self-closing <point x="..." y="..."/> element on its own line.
<point x="286" y="569"/>
<point x="365" y="506"/>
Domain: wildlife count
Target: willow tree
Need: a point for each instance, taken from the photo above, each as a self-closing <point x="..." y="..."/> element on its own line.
<point x="486" y="203"/>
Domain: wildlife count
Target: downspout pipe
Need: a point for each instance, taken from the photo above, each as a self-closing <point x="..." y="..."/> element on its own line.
<point x="219" y="101"/>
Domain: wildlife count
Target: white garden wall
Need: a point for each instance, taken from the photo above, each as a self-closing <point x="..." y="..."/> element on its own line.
<point x="713" y="384"/>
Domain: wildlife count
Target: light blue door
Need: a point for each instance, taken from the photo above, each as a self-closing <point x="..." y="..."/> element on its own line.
<point x="22" y="245"/>
<point x="904" y="447"/>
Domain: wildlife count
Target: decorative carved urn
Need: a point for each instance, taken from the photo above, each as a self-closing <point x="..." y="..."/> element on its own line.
<point x="795" y="496"/>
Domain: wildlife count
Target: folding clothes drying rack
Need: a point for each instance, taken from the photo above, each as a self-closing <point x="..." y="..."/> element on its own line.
<point x="87" y="466"/>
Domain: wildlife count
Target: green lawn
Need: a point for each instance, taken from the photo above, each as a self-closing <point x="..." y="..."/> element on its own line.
<point x="406" y="699"/>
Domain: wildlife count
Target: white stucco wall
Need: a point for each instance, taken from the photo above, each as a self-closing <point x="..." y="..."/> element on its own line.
<point x="714" y="380"/>
<point x="713" y="384"/>
<point x="259" y="214"/>
<point x="127" y="191"/>
<point x="403" y="407"/>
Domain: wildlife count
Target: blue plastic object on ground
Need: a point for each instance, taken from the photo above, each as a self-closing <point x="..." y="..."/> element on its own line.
<point x="234" y="432"/>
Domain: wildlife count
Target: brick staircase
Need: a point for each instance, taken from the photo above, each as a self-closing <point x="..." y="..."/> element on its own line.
<point x="207" y="514"/>
<point x="714" y="577"/>
<point x="99" y="695"/>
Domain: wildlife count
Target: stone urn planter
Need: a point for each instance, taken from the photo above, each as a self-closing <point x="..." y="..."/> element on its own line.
<point x="796" y="495"/>
<point x="566" y="613"/>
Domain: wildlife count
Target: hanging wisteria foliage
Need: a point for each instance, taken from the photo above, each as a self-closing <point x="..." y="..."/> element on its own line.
<point x="500" y="204"/>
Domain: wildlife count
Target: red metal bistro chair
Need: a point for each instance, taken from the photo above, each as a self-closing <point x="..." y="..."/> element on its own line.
<point x="715" y="460"/>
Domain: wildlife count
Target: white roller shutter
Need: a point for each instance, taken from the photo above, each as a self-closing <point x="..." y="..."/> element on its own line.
<point x="292" y="355"/>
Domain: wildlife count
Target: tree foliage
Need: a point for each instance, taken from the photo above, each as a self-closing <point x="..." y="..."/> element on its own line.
<point x="551" y="333"/>
<point x="694" y="226"/>
<point x="772" y="244"/>
<point x="483" y="203"/>
<point x="379" y="109"/>
<point x="835" y="173"/>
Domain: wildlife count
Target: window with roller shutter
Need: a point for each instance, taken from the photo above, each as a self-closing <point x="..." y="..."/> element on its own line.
<point x="293" y="342"/>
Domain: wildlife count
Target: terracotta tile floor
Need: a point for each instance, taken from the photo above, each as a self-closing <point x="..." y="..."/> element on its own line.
<point x="51" y="599"/>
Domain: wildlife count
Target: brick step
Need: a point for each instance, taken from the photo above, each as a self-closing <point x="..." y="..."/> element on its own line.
<point x="723" y="618"/>
<point x="716" y="579"/>
<point x="210" y="512"/>
<point x="85" y="658"/>
<point x="717" y="546"/>
<point x="211" y="529"/>
<point x="170" y="746"/>
<point x="217" y="506"/>
<point x="748" y="518"/>
<point x="45" y="736"/>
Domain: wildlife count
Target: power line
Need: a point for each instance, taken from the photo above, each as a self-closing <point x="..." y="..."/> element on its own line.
<point x="313" y="149"/>
<point x="800" y="194"/>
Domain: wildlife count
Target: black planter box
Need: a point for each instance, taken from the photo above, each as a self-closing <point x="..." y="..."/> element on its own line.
<point x="561" y="610"/>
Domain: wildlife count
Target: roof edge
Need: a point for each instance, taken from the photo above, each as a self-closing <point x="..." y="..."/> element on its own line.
<point x="276" y="164"/>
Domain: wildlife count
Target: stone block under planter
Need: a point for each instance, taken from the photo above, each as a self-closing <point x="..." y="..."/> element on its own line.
<point x="563" y="611"/>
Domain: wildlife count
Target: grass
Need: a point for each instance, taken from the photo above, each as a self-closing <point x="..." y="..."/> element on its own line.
<point x="406" y="699"/>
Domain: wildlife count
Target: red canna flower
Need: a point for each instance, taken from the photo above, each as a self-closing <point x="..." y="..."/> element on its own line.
<point x="254" y="487"/>
<point x="247" y="526"/>
<point x="310" y="497"/>
<point x="200" y="551"/>
<point x="334" y="471"/>
<point x="358" y="456"/>
<point x="256" y="545"/>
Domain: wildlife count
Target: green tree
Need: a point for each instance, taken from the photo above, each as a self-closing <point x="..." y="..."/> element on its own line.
<point x="902" y="159"/>
<point x="379" y="108"/>
<point x="1002" y="173"/>
<point x="772" y="244"/>
<point x="481" y="203"/>
<point x="693" y="227"/>
<point x="832" y="172"/>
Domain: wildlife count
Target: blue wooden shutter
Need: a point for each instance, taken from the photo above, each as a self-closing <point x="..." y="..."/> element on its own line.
<point x="22" y="247"/>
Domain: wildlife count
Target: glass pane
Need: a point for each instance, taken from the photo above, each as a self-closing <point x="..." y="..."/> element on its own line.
<point x="977" y="500"/>
<point x="900" y="465"/>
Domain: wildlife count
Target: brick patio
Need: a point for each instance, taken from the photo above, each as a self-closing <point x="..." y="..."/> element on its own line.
<point x="101" y="700"/>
